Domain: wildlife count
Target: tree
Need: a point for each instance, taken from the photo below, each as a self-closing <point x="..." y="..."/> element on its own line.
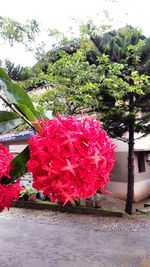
<point x="16" y="72"/>
<point x="27" y="34"/>
<point x="67" y="79"/>
<point x="108" y="78"/>
<point x="128" y="47"/>
<point x="13" y="31"/>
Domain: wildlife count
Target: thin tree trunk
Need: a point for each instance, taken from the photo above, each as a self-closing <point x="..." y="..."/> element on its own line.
<point x="130" y="190"/>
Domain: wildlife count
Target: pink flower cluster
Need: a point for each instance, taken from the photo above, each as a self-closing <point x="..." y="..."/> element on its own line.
<point x="5" y="161"/>
<point x="70" y="158"/>
<point x="10" y="192"/>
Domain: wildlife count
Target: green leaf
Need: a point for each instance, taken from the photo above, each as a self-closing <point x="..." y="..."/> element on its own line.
<point x="39" y="115"/>
<point x="27" y="112"/>
<point x="8" y="121"/>
<point x="19" y="166"/>
<point x="36" y="113"/>
<point x="15" y="94"/>
<point x="4" y="75"/>
<point x="31" y="115"/>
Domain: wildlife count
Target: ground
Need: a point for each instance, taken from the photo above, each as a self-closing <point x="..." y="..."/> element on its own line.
<point x="112" y="203"/>
<point x="52" y="239"/>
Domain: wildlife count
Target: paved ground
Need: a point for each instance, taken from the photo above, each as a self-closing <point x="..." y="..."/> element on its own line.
<point x="113" y="203"/>
<point x="48" y="239"/>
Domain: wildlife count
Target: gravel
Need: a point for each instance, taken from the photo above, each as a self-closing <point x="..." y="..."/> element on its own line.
<point x="134" y="223"/>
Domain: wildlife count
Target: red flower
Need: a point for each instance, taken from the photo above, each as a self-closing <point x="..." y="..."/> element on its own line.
<point x="5" y="161"/>
<point x="8" y="194"/>
<point x="70" y="158"/>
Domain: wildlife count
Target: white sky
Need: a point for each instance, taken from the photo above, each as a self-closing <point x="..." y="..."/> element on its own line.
<point x="57" y="13"/>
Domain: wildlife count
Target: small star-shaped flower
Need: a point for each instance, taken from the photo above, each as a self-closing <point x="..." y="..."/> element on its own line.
<point x="96" y="158"/>
<point x="70" y="167"/>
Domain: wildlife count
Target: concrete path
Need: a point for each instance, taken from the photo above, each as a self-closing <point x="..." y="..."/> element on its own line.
<point x="28" y="243"/>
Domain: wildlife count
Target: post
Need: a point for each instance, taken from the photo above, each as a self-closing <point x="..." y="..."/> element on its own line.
<point x="130" y="189"/>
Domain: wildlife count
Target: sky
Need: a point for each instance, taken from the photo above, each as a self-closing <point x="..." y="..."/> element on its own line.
<point x="58" y="14"/>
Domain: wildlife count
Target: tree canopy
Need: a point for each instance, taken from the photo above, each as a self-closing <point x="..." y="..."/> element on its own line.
<point x="13" y="31"/>
<point x="100" y="78"/>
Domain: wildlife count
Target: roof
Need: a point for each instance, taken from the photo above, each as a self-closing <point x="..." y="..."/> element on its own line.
<point x="142" y="144"/>
<point x="16" y="136"/>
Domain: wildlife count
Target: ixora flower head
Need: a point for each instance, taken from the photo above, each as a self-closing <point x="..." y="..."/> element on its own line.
<point x="70" y="158"/>
<point x="10" y="192"/>
<point x="5" y="161"/>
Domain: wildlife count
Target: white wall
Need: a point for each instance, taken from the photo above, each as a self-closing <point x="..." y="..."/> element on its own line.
<point x="119" y="190"/>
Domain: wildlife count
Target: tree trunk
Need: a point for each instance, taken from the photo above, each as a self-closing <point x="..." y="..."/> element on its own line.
<point x="130" y="190"/>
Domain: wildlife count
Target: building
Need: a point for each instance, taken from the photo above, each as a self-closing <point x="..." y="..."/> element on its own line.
<point x="119" y="176"/>
<point x="16" y="142"/>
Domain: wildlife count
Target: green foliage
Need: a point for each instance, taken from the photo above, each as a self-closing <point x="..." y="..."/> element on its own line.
<point x="21" y="127"/>
<point x="100" y="77"/>
<point x="16" y="32"/>
<point x="26" y="112"/>
<point x="16" y="72"/>
<point x="102" y="87"/>
<point x="27" y="191"/>
<point x="14" y="93"/>
<point x="8" y="121"/>
<point x="19" y="166"/>
<point x="72" y="78"/>
<point x="18" y="100"/>
<point x="4" y="75"/>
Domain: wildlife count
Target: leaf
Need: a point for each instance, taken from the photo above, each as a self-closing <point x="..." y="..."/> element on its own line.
<point x="8" y="121"/>
<point x="4" y="75"/>
<point x="31" y="114"/>
<point x="39" y="115"/>
<point x="19" y="166"/>
<point x="15" y="94"/>
<point x="28" y="113"/>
